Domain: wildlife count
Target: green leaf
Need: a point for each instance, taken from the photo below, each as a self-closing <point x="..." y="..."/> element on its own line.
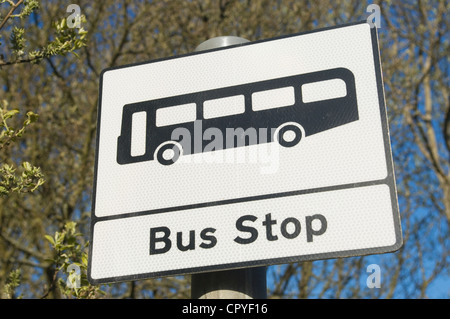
<point x="27" y="166"/>
<point x="31" y="118"/>
<point x="10" y="114"/>
<point x="50" y="239"/>
<point x="84" y="259"/>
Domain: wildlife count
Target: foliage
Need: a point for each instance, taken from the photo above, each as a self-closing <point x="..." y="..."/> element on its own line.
<point x="28" y="181"/>
<point x="66" y="39"/>
<point x="12" y="283"/>
<point x="69" y="252"/>
<point x="31" y="177"/>
<point x="9" y="134"/>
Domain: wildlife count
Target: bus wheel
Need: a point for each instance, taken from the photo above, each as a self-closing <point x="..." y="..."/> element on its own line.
<point x="289" y="135"/>
<point x="168" y="153"/>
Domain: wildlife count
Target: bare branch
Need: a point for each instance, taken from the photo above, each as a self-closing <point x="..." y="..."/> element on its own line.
<point x="11" y="11"/>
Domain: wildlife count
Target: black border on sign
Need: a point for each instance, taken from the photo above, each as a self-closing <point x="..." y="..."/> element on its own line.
<point x="389" y="181"/>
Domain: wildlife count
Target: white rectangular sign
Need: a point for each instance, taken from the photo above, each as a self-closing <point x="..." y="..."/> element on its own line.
<point x="268" y="152"/>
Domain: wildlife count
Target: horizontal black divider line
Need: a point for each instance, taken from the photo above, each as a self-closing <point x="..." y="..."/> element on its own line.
<point x="386" y="181"/>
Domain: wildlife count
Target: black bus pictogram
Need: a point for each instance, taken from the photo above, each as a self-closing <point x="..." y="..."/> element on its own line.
<point x="307" y="104"/>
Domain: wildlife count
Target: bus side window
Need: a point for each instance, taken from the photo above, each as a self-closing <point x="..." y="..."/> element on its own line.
<point x="274" y="98"/>
<point x="224" y="106"/>
<point x="323" y="90"/>
<point x="177" y="114"/>
<point x="138" y="133"/>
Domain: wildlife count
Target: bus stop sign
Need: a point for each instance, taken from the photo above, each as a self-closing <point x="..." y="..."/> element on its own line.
<point x="261" y="153"/>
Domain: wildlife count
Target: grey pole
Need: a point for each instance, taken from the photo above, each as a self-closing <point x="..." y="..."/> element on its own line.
<point x="246" y="283"/>
<point x="218" y="42"/>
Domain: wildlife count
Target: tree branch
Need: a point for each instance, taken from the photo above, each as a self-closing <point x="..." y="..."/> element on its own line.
<point x="18" y="246"/>
<point x="3" y="63"/>
<point x="13" y="8"/>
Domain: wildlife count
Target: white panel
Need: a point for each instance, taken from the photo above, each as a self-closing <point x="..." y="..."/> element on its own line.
<point x="355" y="147"/>
<point x="224" y="106"/>
<point x="323" y="90"/>
<point x="138" y="133"/>
<point x="269" y="99"/>
<point x="176" y="114"/>
<point x="356" y="218"/>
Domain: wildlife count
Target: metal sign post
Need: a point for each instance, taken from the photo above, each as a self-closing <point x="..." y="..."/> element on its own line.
<point x="237" y="283"/>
